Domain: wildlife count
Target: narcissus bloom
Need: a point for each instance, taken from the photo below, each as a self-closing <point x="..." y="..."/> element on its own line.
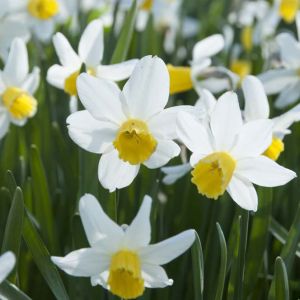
<point x="17" y="87"/>
<point x="120" y="258"/>
<point x="7" y="263"/>
<point x="226" y="155"/>
<point x="90" y="53"/>
<point x="129" y="127"/>
<point x="257" y="107"/>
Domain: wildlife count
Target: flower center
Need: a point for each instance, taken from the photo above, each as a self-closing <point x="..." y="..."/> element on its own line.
<point x="246" y="38"/>
<point x="134" y="142"/>
<point x="241" y="67"/>
<point x="274" y="150"/>
<point x="180" y="79"/>
<point x="213" y="173"/>
<point x="70" y="84"/>
<point x="43" y="9"/>
<point x="146" y="5"/>
<point x="288" y="10"/>
<point x="125" y="276"/>
<point x="19" y="103"/>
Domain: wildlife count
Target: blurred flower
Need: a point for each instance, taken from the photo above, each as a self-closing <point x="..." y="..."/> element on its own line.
<point x="90" y="53"/>
<point x="288" y="9"/>
<point x="7" y="263"/>
<point x="129" y="127"/>
<point x="257" y="108"/>
<point x="227" y="154"/>
<point x="200" y="74"/>
<point x="120" y="258"/>
<point x="241" y="67"/>
<point x="285" y="80"/>
<point x="17" y="87"/>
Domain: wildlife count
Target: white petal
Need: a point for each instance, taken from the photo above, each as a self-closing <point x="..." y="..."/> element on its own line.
<point x="73" y="104"/>
<point x="256" y="101"/>
<point x="264" y="171"/>
<point x="147" y="90"/>
<point x="90" y="134"/>
<point x="16" y="67"/>
<point x="4" y="123"/>
<point x="208" y="47"/>
<point x="254" y="138"/>
<point x="163" y="124"/>
<point x="138" y="234"/>
<point x="193" y="134"/>
<point x="115" y="173"/>
<point x="167" y="250"/>
<point x="100" y="279"/>
<point x="243" y="193"/>
<point x="275" y="81"/>
<point x="173" y="173"/>
<point x="226" y="121"/>
<point x="91" y="44"/>
<point x="97" y="225"/>
<point x="7" y="263"/>
<point x="117" y="72"/>
<point x="207" y="101"/>
<point x="66" y="54"/>
<point x="43" y="29"/>
<point x="165" y="150"/>
<point x="288" y="96"/>
<point x="289" y="50"/>
<point x="32" y="81"/>
<point x="101" y="98"/>
<point x="57" y="75"/>
<point x="85" y="262"/>
<point x="155" y="276"/>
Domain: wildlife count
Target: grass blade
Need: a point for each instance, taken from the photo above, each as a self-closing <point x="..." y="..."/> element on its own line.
<point x="198" y="268"/>
<point x="223" y="264"/>
<point x="42" y="259"/>
<point x="10" y="291"/>
<point x="125" y="37"/>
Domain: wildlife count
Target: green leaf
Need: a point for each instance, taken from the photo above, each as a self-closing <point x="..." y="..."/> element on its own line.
<point x="42" y="202"/>
<point x="280" y="282"/>
<point x="198" y="268"/>
<point x="125" y="37"/>
<point x="11" y="292"/>
<point x="13" y="228"/>
<point x="223" y="264"/>
<point x="11" y="182"/>
<point x="258" y="238"/>
<point x="42" y="259"/>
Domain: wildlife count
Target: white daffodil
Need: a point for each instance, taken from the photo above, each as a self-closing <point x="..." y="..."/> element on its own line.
<point x="17" y="87"/>
<point x="201" y="74"/>
<point x="227" y="154"/>
<point x="120" y="258"/>
<point x="90" y="53"/>
<point x="129" y="127"/>
<point x="285" y="80"/>
<point x="257" y="107"/>
<point x="7" y="263"/>
<point x="40" y="16"/>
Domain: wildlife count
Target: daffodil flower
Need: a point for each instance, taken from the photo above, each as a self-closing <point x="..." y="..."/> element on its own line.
<point x="227" y="154"/>
<point x="120" y="258"/>
<point x="200" y="74"/>
<point x="257" y="107"/>
<point x="90" y="53"/>
<point x="39" y="16"/>
<point x="285" y="80"/>
<point x="7" y="263"/>
<point x="17" y="87"/>
<point x="128" y="127"/>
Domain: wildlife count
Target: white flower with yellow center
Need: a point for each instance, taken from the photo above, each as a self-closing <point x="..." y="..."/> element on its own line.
<point x="90" y="53"/>
<point x="40" y="16"/>
<point x="17" y="87"/>
<point x="226" y="155"/>
<point x="285" y="80"/>
<point x="257" y="107"/>
<point x="7" y="263"/>
<point x="201" y="74"/>
<point x="128" y="127"/>
<point x="120" y="258"/>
